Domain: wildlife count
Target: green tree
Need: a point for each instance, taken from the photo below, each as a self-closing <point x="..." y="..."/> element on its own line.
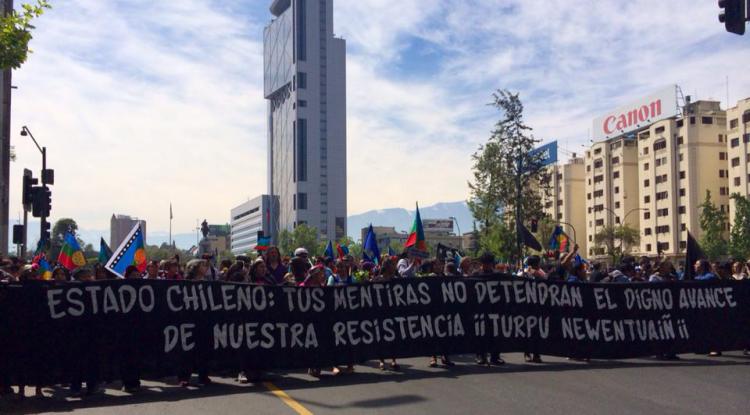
<point x="499" y="240"/>
<point x="508" y="175"/>
<point x="303" y="236"/>
<point x="15" y="33"/>
<point x="713" y="222"/>
<point x="57" y="236"/>
<point x="616" y="240"/>
<point x="739" y="237"/>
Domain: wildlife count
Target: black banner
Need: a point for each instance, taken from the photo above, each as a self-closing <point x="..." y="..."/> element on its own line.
<point x="49" y="332"/>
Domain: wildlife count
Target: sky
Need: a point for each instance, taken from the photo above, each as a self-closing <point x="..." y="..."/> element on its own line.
<point x="141" y="103"/>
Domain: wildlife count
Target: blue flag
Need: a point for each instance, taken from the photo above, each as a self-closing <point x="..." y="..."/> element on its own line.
<point x="370" y="246"/>
<point x="104" y="252"/>
<point x="391" y="252"/>
<point x="132" y="251"/>
<point x="329" y="250"/>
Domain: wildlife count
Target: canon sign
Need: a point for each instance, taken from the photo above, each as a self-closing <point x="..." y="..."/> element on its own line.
<point x="646" y="111"/>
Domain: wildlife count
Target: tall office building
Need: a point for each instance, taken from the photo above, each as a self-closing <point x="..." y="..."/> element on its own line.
<point x="305" y="85"/>
<point x="738" y="151"/>
<point x="120" y="226"/>
<point x="565" y="202"/>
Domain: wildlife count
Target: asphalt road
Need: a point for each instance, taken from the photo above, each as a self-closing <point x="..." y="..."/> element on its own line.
<point x="693" y="385"/>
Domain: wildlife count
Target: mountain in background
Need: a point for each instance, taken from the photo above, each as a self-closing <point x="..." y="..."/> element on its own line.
<point x="402" y="219"/>
<point x="399" y="218"/>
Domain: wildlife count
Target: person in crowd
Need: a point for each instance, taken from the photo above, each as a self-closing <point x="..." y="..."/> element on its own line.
<point x="430" y="268"/>
<point x="212" y="274"/>
<point x="299" y="267"/>
<point x="302" y="253"/>
<point x="87" y="368"/>
<point x="451" y="270"/>
<point x="487" y="263"/>
<point x="152" y="271"/>
<point x="195" y="360"/>
<point x="132" y="273"/>
<point x="259" y="273"/>
<point x="739" y="271"/>
<point x="597" y="272"/>
<point x="274" y="265"/>
<point x="534" y="271"/>
<point x="60" y="274"/>
<point x="703" y="271"/>
<point x="223" y="268"/>
<point x="664" y="272"/>
<point x="467" y="266"/>
<point x="172" y="270"/>
<point x="315" y="278"/>
<point x="387" y="273"/>
<point x="343" y="272"/>
<point x="407" y="265"/>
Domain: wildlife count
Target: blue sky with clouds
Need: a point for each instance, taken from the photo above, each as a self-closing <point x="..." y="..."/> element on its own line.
<point x="144" y="102"/>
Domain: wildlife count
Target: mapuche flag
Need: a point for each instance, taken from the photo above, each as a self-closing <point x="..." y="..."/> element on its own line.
<point x="71" y="254"/>
<point x="416" y="237"/>
<point x="132" y="251"/>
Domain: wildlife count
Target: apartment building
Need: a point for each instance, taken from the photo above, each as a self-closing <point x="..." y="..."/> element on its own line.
<point x="565" y="202"/>
<point x="738" y="151"/>
<point x="612" y="190"/>
<point x="679" y="160"/>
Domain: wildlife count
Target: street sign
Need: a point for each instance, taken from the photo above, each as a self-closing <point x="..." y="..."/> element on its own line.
<point x="548" y="153"/>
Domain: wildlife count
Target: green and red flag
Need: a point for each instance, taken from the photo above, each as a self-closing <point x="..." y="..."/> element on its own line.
<point x="71" y="254"/>
<point x="416" y="238"/>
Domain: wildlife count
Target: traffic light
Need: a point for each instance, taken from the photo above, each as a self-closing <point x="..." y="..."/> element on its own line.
<point x="28" y="182"/>
<point x="733" y="15"/>
<point x="18" y="231"/>
<point x="41" y="201"/>
<point x="46" y="236"/>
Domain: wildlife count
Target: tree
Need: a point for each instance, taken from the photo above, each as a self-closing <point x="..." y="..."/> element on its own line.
<point x="498" y="240"/>
<point x="61" y="227"/>
<point x="508" y="174"/>
<point x="303" y="236"/>
<point x="616" y="240"/>
<point x="15" y="34"/>
<point x="739" y="237"/>
<point x="713" y="223"/>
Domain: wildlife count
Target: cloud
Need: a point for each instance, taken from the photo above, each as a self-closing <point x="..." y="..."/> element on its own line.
<point x="141" y="103"/>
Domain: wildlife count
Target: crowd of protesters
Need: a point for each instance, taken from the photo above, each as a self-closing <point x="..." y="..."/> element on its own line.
<point x="301" y="269"/>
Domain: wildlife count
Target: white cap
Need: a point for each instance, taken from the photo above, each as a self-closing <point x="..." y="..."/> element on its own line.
<point x="300" y="252"/>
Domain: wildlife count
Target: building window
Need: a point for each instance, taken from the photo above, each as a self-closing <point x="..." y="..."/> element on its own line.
<point x="662" y="195"/>
<point x="682" y="210"/>
<point x="340" y="227"/>
<point x="597" y="151"/>
<point x="660" y="145"/>
<point x="680" y="123"/>
<point x="588" y="196"/>
<point x="617" y="189"/>
<point x="301" y="80"/>
<point x="692" y="120"/>
<point x="616" y="175"/>
<point x="721" y="138"/>
<point x="646" y="215"/>
<point x="663" y="246"/>
<point x="736" y="181"/>
<point x="721" y="173"/>
<point x="588" y="167"/>
<point x="646" y="199"/>
<point x="559" y="202"/>
<point x="661" y="179"/>
<point x="746" y="117"/>
<point x="662" y="212"/>
<point x="301" y="201"/>
<point x="707" y="120"/>
<point x="723" y="191"/>
<point x="302" y="103"/>
<point x="722" y="155"/>
<point x="600" y="222"/>
<point x="646" y="183"/>
<point x="301" y="32"/>
<point x="683" y="245"/>
<point x="659" y="130"/>
<point x="301" y="150"/>
<point x="746" y="138"/>
<point x="645" y="166"/>
<point x="598" y="193"/>
<point x="598" y="178"/>
<point x="733" y="123"/>
<point x="647" y="231"/>
<point x="662" y="229"/>
<point x="682" y="174"/>
<point x="680" y="141"/>
<point x="645" y="150"/>
<point x="648" y="247"/>
<point x="680" y="157"/>
<point x="617" y="205"/>
<point x="615" y="160"/>
<point x="682" y="192"/>
<point x="735" y="142"/>
<point x="735" y="162"/>
<point x="598" y="163"/>
<point x="683" y="227"/>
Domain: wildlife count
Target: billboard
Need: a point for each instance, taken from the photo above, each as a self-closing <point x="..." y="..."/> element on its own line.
<point x="548" y="152"/>
<point x="437" y="225"/>
<point x="660" y="105"/>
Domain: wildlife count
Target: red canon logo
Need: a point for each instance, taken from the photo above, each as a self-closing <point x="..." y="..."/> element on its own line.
<point x="635" y="116"/>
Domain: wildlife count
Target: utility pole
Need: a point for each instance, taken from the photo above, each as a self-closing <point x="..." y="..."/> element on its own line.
<point x="6" y="6"/>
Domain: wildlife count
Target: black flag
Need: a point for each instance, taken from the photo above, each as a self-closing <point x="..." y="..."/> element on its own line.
<point x="529" y="239"/>
<point x="694" y="253"/>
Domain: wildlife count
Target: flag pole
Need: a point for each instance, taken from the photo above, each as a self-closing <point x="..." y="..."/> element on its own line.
<point x="170" y="225"/>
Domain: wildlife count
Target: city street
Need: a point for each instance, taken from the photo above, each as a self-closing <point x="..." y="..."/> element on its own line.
<point x="693" y="385"/>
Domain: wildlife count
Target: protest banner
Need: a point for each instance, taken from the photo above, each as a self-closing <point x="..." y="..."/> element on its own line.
<point x="49" y="329"/>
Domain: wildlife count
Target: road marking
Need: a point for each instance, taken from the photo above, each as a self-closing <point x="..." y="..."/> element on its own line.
<point x="301" y="410"/>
